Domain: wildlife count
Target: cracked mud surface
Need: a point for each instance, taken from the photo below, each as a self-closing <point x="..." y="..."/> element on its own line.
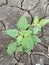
<point x="10" y="12"/>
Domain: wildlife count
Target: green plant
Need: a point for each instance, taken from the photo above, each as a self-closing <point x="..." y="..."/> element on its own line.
<point x="25" y="35"/>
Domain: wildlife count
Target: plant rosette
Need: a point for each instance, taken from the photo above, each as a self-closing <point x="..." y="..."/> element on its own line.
<point x="26" y="35"/>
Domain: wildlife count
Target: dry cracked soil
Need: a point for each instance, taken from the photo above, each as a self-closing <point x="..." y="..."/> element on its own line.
<point x="10" y="12"/>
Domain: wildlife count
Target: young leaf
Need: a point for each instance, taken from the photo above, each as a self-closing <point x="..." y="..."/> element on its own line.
<point x="19" y="49"/>
<point x="27" y="43"/>
<point x="11" y="48"/>
<point x="19" y="39"/>
<point x="12" y="32"/>
<point x="29" y="47"/>
<point x="36" y="20"/>
<point x="36" y="30"/>
<point x="36" y="39"/>
<point x="27" y="32"/>
<point x="27" y="51"/>
<point x="44" y="22"/>
<point x="22" y="23"/>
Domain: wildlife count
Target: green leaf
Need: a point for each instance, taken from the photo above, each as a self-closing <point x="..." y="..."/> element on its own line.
<point x="11" y="48"/>
<point x="19" y="49"/>
<point x="25" y="41"/>
<point x="27" y="51"/>
<point x="29" y="47"/>
<point x="36" y="39"/>
<point x="36" y="30"/>
<point x="12" y="32"/>
<point x="22" y="23"/>
<point x="19" y="39"/>
<point x="44" y="22"/>
<point x="27" y="32"/>
<point x="27" y="44"/>
<point x="36" y="20"/>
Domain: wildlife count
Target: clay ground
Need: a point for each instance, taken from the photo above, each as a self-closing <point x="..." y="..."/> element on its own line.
<point x="10" y="12"/>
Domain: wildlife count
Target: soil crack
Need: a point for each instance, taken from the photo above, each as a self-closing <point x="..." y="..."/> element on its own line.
<point x="35" y="5"/>
<point x="22" y="3"/>
<point x="4" y="3"/>
<point x="3" y="25"/>
<point x="26" y="11"/>
<point x="46" y="7"/>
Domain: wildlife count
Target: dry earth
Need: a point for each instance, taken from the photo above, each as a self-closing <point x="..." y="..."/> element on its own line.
<point x="10" y="12"/>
